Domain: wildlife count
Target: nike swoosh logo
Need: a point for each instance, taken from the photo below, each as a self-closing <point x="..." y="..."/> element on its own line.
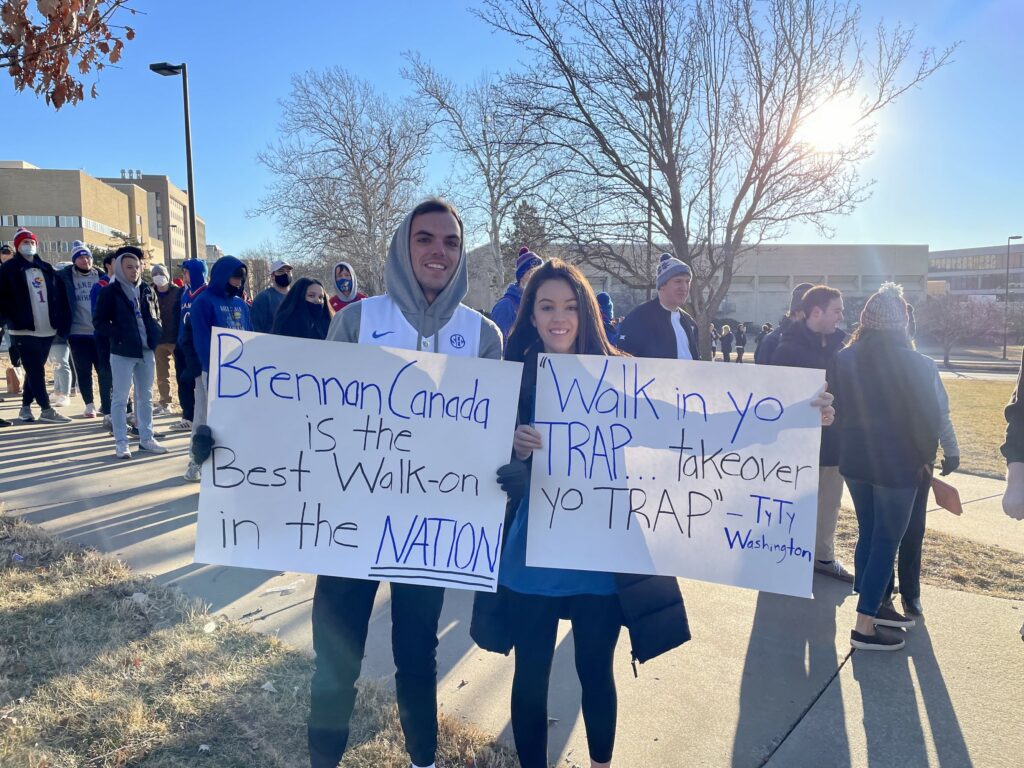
<point x="377" y="335"/>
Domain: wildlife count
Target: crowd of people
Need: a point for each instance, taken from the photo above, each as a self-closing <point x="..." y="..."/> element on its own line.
<point x="884" y="416"/>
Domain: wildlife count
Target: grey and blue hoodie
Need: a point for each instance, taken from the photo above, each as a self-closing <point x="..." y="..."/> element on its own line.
<point x="401" y="285"/>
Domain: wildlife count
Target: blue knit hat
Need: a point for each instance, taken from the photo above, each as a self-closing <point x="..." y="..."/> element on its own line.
<point x="526" y="261"/>
<point x="669" y="266"/>
<point x="606" y="305"/>
<point x="78" y="248"/>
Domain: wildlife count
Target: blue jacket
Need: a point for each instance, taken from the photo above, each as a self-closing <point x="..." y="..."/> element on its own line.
<point x="197" y="282"/>
<point x="506" y="308"/>
<point x="214" y="307"/>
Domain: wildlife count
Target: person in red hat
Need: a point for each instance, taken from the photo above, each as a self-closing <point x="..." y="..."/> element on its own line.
<point x="31" y="299"/>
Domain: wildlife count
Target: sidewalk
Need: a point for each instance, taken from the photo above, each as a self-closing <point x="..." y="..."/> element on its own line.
<point x="767" y="680"/>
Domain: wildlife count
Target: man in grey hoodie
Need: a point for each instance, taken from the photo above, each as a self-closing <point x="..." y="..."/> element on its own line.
<point x="426" y="278"/>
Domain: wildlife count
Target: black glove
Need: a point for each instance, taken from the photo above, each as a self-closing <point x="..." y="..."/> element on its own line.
<point x="202" y="444"/>
<point x="514" y="477"/>
<point x="949" y="464"/>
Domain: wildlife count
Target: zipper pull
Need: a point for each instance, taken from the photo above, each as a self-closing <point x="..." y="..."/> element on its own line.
<point x="633" y="663"/>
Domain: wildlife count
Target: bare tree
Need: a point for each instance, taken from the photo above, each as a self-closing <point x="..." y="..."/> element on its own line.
<point x="951" y="321"/>
<point x="718" y="96"/>
<point x="41" y="50"/>
<point x="258" y="261"/>
<point x="348" y="165"/>
<point x="502" y="161"/>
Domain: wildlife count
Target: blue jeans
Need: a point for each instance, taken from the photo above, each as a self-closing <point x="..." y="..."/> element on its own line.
<point x="140" y="370"/>
<point x="60" y="354"/>
<point x="882" y="517"/>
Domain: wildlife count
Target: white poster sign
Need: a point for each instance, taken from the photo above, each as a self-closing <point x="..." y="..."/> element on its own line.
<point x="355" y="460"/>
<point x="702" y="470"/>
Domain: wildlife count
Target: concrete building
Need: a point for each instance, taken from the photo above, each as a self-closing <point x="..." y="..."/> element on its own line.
<point x="62" y="206"/>
<point x="168" y="210"/>
<point x="980" y="273"/>
<point x="213" y="252"/>
<point x="765" y="277"/>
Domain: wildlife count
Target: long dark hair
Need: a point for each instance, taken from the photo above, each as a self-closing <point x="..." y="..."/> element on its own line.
<point x="294" y="319"/>
<point x="590" y="337"/>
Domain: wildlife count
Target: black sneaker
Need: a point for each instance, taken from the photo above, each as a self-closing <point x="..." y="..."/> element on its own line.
<point x="888" y="616"/>
<point x="880" y="641"/>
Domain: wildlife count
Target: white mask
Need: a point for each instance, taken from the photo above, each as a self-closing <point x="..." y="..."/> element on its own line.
<point x="27" y="249"/>
<point x="160" y="281"/>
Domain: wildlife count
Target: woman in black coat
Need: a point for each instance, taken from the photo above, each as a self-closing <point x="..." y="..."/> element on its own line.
<point x="888" y="417"/>
<point x="304" y="313"/>
<point x="559" y="314"/>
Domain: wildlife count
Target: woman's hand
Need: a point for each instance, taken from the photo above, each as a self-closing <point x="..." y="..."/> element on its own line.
<point x="526" y="441"/>
<point x="823" y="402"/>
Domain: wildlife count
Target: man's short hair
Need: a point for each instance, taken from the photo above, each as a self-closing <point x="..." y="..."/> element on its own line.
<point x="819" y="296"/>
<point x="5" y="248"/>
<point x="437" y="205"/>
<point x="109" y="259"/>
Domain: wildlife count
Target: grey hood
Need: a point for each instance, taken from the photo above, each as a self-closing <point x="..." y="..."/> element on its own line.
<point x="355" y="281"/>
<point x="131" y="289"/>
<point x="400" y="284"/>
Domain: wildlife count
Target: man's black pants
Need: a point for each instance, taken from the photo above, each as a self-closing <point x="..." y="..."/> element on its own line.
<point x="85" y="358"/>
<point x="34" y="351"/>
<point x="186" y="386"/>
<point x="341" y="618"/>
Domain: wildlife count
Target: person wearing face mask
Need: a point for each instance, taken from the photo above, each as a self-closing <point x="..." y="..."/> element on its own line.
<point x="219" y="305"/>
<point x="127" y="314"/>
<point x="266" y="303"/>
<point x="79" y="279"/>
<point x="31" y="299"/>
<point x="168" y="296"/>
<point x="304" y="314"/>
<point x="346" y="287"/>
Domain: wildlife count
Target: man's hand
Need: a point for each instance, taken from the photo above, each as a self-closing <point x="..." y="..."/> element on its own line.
<point x="949" y="464"/>
<point x="1013" y="498"/>
<point x="823" y="402"/>
<point x="202" y="444"/>
<point x="514" y="477"/>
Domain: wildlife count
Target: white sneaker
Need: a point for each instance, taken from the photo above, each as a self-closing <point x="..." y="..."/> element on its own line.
<point x="108" y="424"/>
<point x="194" y="472"/>
<point x="122" y="452"/>
<point x="152" y="447"/>
<point x="181" y="425"/>
<point x="161" y="410"/>
<point x="59" y="401"/>
<point x="52" y="417"/>
<point x="90" y="411"/>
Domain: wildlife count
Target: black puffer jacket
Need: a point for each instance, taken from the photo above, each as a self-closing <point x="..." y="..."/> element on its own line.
<point x="647" y="332"/>
<point x="15" y="301"/>
<point x="115" y="319"/>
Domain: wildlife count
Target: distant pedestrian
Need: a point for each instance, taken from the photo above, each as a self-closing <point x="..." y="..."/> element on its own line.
<point x="265" y="305"/>
<point x="304" y="313"/>
<point x="31" y="301"/>
<point x="766" y="328"/>
<point x="346" y="287"/>
<point x="507" y="307"/>
<point x="79" y="280"/>
<point x="741" y="341"/>
<point x="128" y="315"/>
<point x="715" y="338"/>
<point x="1013" y="451"/>
<point x="765" y="350"/>
<point x="607" y="307"/>
<point x="168" y="296"/>
<point x="889" y="421"/>
<point x="661" y="328"/>
<point x="727" y="341"/>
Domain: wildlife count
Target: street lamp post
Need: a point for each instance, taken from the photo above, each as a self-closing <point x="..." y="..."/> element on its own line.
<point x="1006" y="293"/>
<point x="647" y="98"/>
<point x="170" y="70"/>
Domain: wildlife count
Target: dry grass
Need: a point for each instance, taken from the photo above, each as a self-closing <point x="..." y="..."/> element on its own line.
<point x="951" y="562"/>
<point x="90" y="676"/>
<point x="976" y="407"/>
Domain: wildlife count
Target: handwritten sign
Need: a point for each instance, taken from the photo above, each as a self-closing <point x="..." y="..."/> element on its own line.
<point x="355" y="460"/>
<point x="694" y="469"/>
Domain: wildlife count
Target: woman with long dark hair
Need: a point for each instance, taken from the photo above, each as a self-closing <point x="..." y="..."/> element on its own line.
<point x="889" y="422"/>
<point x="304" y="313"/>
<point x="559" y="314"/>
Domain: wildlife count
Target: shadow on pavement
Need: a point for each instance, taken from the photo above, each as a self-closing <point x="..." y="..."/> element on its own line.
<point x="791" y="658"/>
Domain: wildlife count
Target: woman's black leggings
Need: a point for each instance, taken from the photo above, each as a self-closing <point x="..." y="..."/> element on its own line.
<point x="596" y="621"/>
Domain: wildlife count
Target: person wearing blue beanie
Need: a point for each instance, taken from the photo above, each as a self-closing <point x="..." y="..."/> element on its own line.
<point x="661" y="327"/>
<point x="607" y="307"/>
<point x="507" y="307"/>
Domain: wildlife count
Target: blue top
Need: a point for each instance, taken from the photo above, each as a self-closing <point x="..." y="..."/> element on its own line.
<point x="516" y="575"/>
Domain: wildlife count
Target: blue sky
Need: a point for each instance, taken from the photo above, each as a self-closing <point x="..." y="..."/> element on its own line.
<point x="948" y="163"/>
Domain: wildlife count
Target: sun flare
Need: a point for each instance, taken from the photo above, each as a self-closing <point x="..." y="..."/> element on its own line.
<point x="831" y="126"/>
